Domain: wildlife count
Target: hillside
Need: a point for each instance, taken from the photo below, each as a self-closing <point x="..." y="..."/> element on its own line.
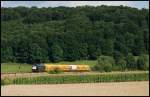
<point x="33" y="34"/>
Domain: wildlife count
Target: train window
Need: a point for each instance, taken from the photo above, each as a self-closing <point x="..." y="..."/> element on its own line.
<point x="73" y="67"/>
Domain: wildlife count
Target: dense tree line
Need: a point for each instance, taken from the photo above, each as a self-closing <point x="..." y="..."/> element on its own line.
<point x="49" y="34"/>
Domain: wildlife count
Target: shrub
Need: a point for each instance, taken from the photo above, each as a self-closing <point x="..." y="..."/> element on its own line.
<point x="51" y="72"/>
<point x="141" y="62"/>
<point x="131" y="63"/>
<point x="117" y="56"/>
<point x="2" y="82"/>
<point x="55" y="71"/>
<point x="107" y="67"/>
<point x="105" y="63"/>
<point x="122" y="64"/>
<point x="6" y="81"/>
<point x="97" y="68"/>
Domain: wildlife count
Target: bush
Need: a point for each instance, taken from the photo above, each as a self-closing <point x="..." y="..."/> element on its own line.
<point x="131" y="63"/>
<point x="141" y="62"/>
<point x="122" y="64"/>
<point x="108" y="67"/>
<point x="6" y="81"/>
<point x="105" y="63"/>
<point x="51" y="72"/>
<point x="55" y="71"/>
<point x="2" y="82"/>
<point x="97" y="68"/>
<point x="117" y="56"/>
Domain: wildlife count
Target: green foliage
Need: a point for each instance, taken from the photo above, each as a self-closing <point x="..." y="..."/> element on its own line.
<point x="37" y="54"/>
<point x="57" y="53"/>
<point x="117" y="56"/>
<point x="6" y="81"/>
<point x="55" y="71"/>
<point x="141" y="62"/>
<point x="15" y="68"/>
<point x="131" y="63"/>
<point x="83" y="50"/>
<point x="28" y="35"/>
<point x="107" y="48"/>
<point x="92" y="52"/>
<point x="9" y="14"/>
<point x="139" y="45"/>
<point x="6" y="54"/>
<point x="122" y="64"/>
<point x="105" y="63"/>
<point x="2" y="82"/>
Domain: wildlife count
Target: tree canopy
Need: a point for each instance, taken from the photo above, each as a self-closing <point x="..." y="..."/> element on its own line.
<point x="72" y="33"/>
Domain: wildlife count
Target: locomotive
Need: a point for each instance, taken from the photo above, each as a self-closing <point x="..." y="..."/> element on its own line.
<point x="63" y="67"/>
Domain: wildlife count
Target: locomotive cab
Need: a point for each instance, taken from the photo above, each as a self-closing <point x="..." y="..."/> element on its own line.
<point x="38" y="68"/>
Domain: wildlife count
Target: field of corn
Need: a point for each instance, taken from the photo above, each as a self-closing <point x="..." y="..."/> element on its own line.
<point x="67" y="79"/>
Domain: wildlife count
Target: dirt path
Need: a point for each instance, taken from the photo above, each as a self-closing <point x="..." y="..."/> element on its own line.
<point x="84" y="89"/>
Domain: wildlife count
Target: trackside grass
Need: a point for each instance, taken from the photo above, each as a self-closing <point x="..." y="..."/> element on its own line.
<point x="97" y="78"/>
<point x="15" y="68"/>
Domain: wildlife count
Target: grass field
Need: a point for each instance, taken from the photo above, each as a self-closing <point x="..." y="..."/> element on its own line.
<point x="14" y="67"/>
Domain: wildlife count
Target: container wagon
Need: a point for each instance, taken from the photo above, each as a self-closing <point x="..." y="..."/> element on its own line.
<point x="63" y="67"/>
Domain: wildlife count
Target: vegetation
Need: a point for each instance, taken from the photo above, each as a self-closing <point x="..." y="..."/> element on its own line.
<point x="96" y="78"/>
<point x="131" y="63"/>
<point x="96" y="65"/>
<point x="142" y="62"/>
<point x="105" y="63"/>
<point x="57" y="53"/>
<point x="15" y="68"/>
<point x="55" y="71"/>
<point x="122" y="65"/>
<point x="2" y="82"/>
<point x="67" y="33"/>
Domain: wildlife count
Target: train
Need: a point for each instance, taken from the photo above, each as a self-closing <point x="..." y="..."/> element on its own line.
<point x="63" y="67"/>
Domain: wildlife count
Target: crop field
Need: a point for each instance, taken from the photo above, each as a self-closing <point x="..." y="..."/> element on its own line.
<point x="78" y="78"/>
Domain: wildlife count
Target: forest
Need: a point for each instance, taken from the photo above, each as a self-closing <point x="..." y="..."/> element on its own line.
<point x="54" y="34"/>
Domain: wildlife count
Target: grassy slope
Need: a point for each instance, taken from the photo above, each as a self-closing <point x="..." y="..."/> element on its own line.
<point x="14" y="67"/>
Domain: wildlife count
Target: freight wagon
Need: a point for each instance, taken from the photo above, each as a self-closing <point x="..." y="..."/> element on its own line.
<point x="63" y="67"/>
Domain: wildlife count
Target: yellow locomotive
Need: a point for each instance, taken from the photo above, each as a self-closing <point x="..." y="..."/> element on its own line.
<point x="63" y="67"/>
